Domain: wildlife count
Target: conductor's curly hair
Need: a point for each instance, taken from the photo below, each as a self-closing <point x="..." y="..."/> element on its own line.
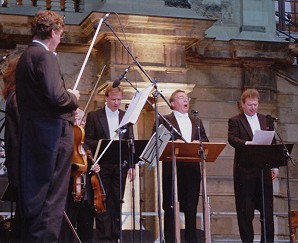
<point x="44" y="22"/>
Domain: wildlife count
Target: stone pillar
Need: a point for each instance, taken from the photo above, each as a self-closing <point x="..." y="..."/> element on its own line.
<point x="258" y="16"/>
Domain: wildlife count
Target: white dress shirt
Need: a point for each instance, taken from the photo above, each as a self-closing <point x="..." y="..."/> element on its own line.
<point x="253" y="122"/>
<point x="113" y="122"/>
<point x="184" y="125"/>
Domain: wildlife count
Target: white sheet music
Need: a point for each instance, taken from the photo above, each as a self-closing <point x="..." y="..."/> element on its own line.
<point x="135" y="107"/>
<point x="263" y="137"/>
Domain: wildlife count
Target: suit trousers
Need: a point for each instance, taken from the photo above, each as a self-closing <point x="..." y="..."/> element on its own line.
<point x="188" y="183"/>
<point x="46" y="153"/>
<point x="248" y="196"/>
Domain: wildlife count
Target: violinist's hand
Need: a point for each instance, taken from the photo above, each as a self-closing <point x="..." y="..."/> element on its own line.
<point x="95" y="168"/>
<point x="131" y="174"/>
<point x="79" y="114"/>
<point x="75" y="92"/>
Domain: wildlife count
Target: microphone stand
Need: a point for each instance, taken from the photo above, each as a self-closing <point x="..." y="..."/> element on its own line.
<point x="120" y="131"/>
<point x="155" y="95"/>
<point x="205" y="202"/>
<point x="140" y="163"/>
<point x="287" y="158"/>
<point x="132" y="151"/>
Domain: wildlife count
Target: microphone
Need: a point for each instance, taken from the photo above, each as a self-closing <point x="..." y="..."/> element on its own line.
<point x="104" y="18"/>
<point x="3" y="58"/>
<point x="195" y="113"/>
<point x="116" y="83"/>
<point x="272" y="118"/>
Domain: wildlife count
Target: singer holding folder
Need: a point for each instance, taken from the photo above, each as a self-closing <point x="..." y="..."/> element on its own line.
<point x="188" y="173"/>
<point x="101" y="124"/>
<point x="248" y="180"/>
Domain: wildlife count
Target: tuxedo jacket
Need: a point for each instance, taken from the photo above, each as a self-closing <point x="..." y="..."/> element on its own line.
<point x="40" y="87"/>
<point x="239" y="132"/>
<point x="97" y="128"/>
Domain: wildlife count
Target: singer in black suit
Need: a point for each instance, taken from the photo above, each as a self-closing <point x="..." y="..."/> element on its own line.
<point x="188" y="173"/>
<point x="247" y="180"/>
<point x="101" y="124"/>
<point x="46" y="131"/>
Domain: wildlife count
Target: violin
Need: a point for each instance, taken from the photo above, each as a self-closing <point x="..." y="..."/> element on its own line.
<point x="98" y="191"/>
<point x="79" y="163"/>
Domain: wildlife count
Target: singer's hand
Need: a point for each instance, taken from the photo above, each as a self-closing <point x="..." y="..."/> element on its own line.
<point x="75" y="92"/>
<point x="131" y="174"/>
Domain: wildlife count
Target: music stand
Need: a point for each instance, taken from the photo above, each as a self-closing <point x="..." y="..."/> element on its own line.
<point x="259" y="156"/>
<point x="111" y="157"/>
<point x="149" y="153"/>
<point x="189" y="152"/>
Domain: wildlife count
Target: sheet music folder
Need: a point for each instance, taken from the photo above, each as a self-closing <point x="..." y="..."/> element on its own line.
<point x="189" y="152"/>
<point x="111" y="156"/>
<point x="135" y="107"/>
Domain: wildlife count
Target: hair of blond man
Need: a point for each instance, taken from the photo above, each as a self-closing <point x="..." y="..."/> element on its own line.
<point x="249" y="93"/>
<point x="110" y="89"/>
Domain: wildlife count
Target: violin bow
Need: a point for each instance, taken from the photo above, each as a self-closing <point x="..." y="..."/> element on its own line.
<point x="92" y="94"/>
<point x="88" y="54"/>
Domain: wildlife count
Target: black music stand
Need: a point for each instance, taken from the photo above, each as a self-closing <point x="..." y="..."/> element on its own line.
<point x="260" y="156"/>
<point x="111" y="155"/>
